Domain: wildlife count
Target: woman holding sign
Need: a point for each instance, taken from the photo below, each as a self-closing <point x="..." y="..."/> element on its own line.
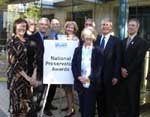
<point x="86" y="67"/>
<point x="70" y="29"/>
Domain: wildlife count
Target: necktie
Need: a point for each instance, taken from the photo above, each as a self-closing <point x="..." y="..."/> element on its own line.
<point x="102" y="43"/>
<point x="128" y="42"/>
<point x="45" y="37"/>
<point x="56" y="37"/>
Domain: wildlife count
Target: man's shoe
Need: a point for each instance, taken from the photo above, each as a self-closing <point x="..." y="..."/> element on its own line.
<point x="70" y="114"/>
<point x="64" y="109"/>
<point x="52" y="107"/>
<point x="48" y="113"/>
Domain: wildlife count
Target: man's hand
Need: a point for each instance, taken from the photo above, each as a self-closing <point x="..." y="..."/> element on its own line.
<point x="114" y="81"/>
<point x="124" y="72"/>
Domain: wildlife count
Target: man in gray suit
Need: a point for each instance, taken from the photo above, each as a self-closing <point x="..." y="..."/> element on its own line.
<point x="54" y="29"/>
<point x="53" y="35"/>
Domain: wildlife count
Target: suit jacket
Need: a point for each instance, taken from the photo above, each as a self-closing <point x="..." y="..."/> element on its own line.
<point x="36" y="53"/>
<point x="51" y="35"/>
<point x="133" y="56"/>
<point x="112" y="58"/>
<point x="96" y="68"/>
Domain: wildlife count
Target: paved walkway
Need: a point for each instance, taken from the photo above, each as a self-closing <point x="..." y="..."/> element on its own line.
<point x="59" y="101"/>
<point x="4" y="99"/>
<point x="2" y="114"/>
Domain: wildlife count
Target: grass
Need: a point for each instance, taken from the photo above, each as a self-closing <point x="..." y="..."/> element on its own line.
<point x="2" y="57"/>
<point x="3" y="60"/>
<point x="3" y="79"/>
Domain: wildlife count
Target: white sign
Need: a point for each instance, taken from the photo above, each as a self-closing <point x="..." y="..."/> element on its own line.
<point x="57" y="61"/>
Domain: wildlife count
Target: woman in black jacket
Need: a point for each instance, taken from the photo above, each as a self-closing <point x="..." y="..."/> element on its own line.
<point x="86" y="67"/>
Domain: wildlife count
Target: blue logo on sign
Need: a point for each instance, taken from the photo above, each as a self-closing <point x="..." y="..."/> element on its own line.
<point x="60" y="45"/>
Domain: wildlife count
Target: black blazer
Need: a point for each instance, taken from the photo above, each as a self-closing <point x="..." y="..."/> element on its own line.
<point x="36" y="53"/>
<point x="133" y="56"/>
<point x="112" y="58"/>
<point x="96" y="68"/>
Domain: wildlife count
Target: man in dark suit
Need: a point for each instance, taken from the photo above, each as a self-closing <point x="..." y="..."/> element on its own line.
<point x="52" y="34"/>
<point x="110" y="46"/>
<point x="134" y="49"/>
<point x="36" y="53"/>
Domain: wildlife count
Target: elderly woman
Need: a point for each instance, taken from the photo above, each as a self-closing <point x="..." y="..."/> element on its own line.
<point x="86" y="67"/>
<point x="70" y="29"/>
<point x="19" y="83"/>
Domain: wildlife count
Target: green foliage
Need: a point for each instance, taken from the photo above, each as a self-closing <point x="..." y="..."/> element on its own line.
<point x="33" y="12"/>
<point x="2" y="2"/>
<point x="20" y="15"/>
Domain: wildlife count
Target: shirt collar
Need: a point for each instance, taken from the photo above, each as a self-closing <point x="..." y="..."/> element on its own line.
<point x="29" y="33"/>
<point x="132" y="36"/>
<point x="106" y="36"/>
<point x="90" y="47"/>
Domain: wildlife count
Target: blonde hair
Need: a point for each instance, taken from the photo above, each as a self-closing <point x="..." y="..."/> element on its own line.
<point x="71" y="23"/>
<point x="92" y="30"/>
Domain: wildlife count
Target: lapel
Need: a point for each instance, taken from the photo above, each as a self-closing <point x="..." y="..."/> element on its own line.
<point x="99" y="40"/>
<point x="124" y="42"/>
<point x="108" y="45"/>
<point x="132" y="43"/>
<point x="80" y="57"/>
<point x="92" y="56"/>
<point x="39" y="39"/>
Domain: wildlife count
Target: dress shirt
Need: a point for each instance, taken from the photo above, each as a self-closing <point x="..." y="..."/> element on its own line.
<point x="106" y="39"/>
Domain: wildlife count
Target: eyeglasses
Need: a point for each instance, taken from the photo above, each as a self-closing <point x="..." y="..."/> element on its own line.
<point x="88" y="24"/>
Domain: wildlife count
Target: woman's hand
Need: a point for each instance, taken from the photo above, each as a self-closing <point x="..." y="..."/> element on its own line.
<point x="34" y="82"/>
<point x="83" y="80"/>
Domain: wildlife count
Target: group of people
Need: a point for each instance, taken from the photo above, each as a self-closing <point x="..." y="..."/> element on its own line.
<point x="107" y="71"/>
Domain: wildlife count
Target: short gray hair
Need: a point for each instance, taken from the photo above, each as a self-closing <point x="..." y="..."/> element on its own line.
<point x="45" y="19"/>
<point x="107" y="19"/>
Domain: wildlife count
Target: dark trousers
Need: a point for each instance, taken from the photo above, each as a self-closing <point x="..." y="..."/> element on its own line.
<point x="32" y="114"/>
<point x="50" y="97"/>
<point x="106" y="102"/>
<point x="87" y="101"/>
<point x="129" y="97"/>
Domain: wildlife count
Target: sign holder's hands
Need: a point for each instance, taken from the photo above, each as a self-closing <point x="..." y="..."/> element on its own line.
<point x="124" y="72"/>
<point x="83" y="80"/>
<point x="114" y="81"/>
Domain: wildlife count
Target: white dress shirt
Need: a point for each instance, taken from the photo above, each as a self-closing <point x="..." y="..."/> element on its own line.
<point x="86" y="64"/>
